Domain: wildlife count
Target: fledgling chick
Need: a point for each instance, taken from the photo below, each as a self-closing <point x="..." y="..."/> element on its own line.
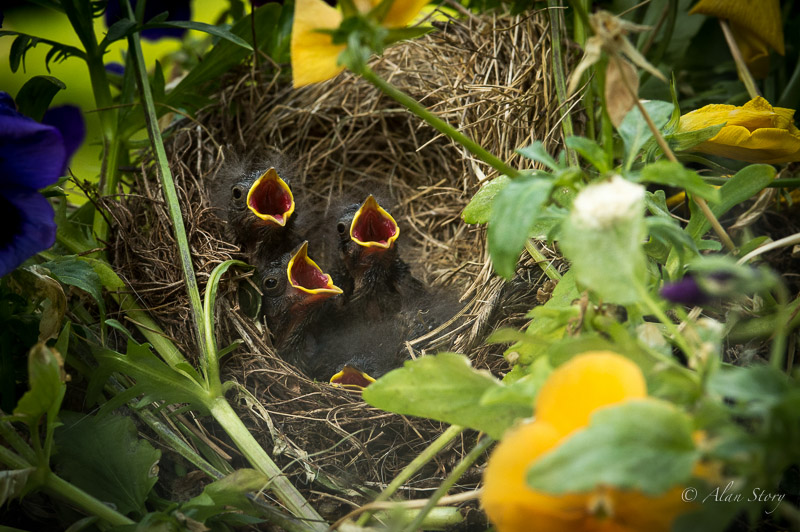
<point x="295" y="291"/>
<point x="369" y="348"/>
<point x="374" y="277"/>
<point x="260" y="208"/>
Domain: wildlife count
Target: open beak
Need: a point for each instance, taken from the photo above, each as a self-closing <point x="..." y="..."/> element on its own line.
<point x="351" y="379"/>
<point x="305" y="275"/>
<point x="270" y="198"/>
<point x="373" y="227"/>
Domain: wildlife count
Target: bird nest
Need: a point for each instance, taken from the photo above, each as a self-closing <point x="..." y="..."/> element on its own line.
<point x="490" y="77"/>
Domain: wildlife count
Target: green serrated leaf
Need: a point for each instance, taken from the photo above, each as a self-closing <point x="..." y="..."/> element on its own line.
<point x="104" y="457"/>
<point x="514" y="211"/>
<point x="644" y="445"/>
<point x="446" y="388"/>
<point x="591" y="152"/>
<point x="119" y="30"/>
<point x="16" y="54"/>
<point x="536" y="152"/>
<point x="35" y="96"/>
<point x="46" y="381"/>
<point x="634" y="130"/>
<point x="480" y="206"/>
<point x="674" y="174"/>
<point x="73" y="271"/>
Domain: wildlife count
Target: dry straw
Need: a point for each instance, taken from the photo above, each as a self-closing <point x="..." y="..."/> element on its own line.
<point x="489" y="76"/>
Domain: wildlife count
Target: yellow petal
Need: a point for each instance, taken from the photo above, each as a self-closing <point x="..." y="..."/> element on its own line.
<point x="755" y="132"/>
<point x="761" y="17"/>
<point x="510" y="504"/>
<point x="587" y="382"/>
<point x="313" y="54"/>
<point x="402" y="12"/>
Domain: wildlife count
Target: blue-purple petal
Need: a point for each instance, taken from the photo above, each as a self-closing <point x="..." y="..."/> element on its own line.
<point x="32" y="155"/>
<point x="68" y="119"/>
<point x="28" y="226"/>
<point x="685" y="292"/>
<point x="115" y="68"/>
<point x="178" y="10"/>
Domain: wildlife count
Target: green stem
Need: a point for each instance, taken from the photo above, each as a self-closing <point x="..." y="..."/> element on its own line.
<point x="440" y="125"/>
<point x="451" y="479"/>
<point x="259" y="459"/>
<point x="557" y="32"/>
<point x="170" y="194"/>
<point x="59" y="487"/>
<point x="14" y="461"/>
<point x="423" y="458"/>
<point x="16" y="442"/>
<point x="792" y="182"/>
<point x="607" y="128"/>
<point x="663" y="318"/>
<point x="542" y="261"/>
<point x="741" y="66"/>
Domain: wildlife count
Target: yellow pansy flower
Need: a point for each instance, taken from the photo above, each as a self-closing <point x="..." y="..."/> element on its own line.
<point x="314" y="56"/>
<point x="571" y="394"/>
<point x="755" y="132"/>
<point x="756" y="24"/>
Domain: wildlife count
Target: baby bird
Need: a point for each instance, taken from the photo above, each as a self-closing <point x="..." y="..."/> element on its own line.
<point x="357" y="351"/>
<point x="260" y="210"/>
<point x="375" y="279"/>
<point x="295" y="291"/>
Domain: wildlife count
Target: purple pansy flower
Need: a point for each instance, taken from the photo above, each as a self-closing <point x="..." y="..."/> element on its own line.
<point x="178" y="10"/>
<point x="686" y="292"/>
<point x="32" y="156"/>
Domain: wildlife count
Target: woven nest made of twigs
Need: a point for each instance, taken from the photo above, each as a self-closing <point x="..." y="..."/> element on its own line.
<point x="490" y="77"/>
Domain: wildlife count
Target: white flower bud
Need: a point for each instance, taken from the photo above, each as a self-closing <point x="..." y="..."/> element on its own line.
<point x="603" y="205"/>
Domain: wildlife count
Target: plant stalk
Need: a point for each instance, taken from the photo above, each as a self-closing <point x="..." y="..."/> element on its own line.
<point x="260" y="460"/>
<point x="59" y="487"/>
<point x="451" y="479"/>
<point x="741" y="66"/>
<point x="423" y="458"/>
<point x="557" y="31"/>
<point x="170" y="193"/>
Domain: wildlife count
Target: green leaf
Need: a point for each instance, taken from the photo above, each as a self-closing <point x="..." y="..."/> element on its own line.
<point x="104" y="457"/>
<point x="13" y="483"/>
<point x="634" y="130"/>
<point x="669" y="234"/>
<point x="536" y="152"/>
<point x="674" y="174"/>
<point x="745" y="184"/>
<point x="35" y="96"/>
<point x="686" y="140"/>
<point x="46" y="381"/>
<point x="119" y="30"/>
<point x="643" y="445"/>
<point x="73" y="271"/>
<point x="34" y="281"/>
<point x="758" y="387"/>
<point x="224" y="494"/>
<point x="591" y="152"/>
<point x="216" y="31"/>
<point x="25" y="42"/>
<point x="513" y="214"/>
<point x="446" y="388"/>
<point x="480" y="206"/>
<point x="154" y="378"/>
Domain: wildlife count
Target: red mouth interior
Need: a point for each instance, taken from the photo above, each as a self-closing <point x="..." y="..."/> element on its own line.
<point x="307" y="275"/>
<point x="373" y="227"/>
<point x="271" y="199"/>
<point x="352" y="377"/>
